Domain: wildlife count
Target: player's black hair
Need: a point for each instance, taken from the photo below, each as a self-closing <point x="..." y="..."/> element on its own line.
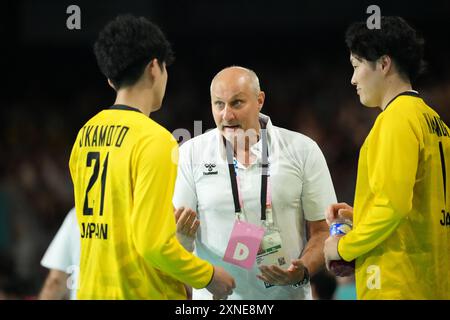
<point x="396" y="38"/>
<point x="126" y="45"/>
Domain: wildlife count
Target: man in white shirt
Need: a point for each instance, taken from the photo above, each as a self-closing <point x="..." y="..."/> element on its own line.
<point x="62" y="258"/>
<point x="297" y="190"/>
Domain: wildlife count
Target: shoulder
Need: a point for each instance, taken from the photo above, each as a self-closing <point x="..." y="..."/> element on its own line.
<point x="404" y="114"/>
<point x="295" y="142"/>
<point x="152" y="133"/>
<point x="201" y="142"/>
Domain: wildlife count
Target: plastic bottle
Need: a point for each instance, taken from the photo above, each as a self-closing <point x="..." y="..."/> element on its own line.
<point x="341" y="268"/>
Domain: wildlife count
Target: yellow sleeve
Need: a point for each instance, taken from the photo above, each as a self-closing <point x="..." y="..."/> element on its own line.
<point x="73" y="159"/>
<point x="392" y="161"/>
<point x="153" y="223"/>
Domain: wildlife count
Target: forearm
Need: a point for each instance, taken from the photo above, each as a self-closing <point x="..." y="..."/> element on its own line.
<point x="55" y="287"/>
<point x="378" y="225"/>
<point x="312" y="256"/>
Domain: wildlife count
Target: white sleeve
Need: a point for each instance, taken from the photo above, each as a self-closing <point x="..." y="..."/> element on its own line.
<point x="64" y="250"/>
<point x="318" y="191"/>
<point x="185" y="194"/>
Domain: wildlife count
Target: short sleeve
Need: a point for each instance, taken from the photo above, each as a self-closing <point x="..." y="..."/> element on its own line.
<point x="185" y="194"/>
<point x="64" y="250"/>
<point x="318" y="191"/>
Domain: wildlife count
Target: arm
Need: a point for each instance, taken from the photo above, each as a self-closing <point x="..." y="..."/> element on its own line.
<point x="185" y="200"/>
<point x="392" y="161"/>
<point x="317" y="193"/>
<point x="59" y="259"/>
<point x="153" y="222"/>
<point x="312" y="257"/>
<point x="55" y="287"/>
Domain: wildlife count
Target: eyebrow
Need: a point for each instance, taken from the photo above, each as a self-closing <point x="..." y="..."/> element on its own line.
<point x="355" y="58"/>
<point x="234" y="97"/>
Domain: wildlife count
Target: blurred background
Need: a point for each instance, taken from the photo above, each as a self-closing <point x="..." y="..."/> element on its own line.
<point x="52" y="85"/>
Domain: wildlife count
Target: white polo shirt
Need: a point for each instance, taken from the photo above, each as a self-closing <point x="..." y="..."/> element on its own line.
<point x="63" y="253"/>
<point x="301" y="189"/>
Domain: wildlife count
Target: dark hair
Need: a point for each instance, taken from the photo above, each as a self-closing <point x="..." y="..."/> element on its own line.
<point x="396" y="38"/>
<point x="126" y="45"/>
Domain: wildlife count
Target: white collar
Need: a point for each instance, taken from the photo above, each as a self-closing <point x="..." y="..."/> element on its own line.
<point x="256" y="148"/>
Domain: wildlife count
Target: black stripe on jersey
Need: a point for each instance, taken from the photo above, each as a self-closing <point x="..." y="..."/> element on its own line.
<point x="124" y="107"/>
<point x="406" y="93"/>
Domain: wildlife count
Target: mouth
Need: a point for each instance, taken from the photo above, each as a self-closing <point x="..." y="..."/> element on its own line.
<point x="230" y="128"/>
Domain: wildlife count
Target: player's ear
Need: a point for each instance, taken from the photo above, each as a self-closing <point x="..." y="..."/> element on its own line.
<point x="261" y="98"/>
<point x="385" y="62"/>
<point x="111" y="84"/>
<point x="154" y="68"/>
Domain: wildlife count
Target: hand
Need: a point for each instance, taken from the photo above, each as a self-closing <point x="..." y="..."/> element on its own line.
<point x="221" y="285"/>
<point x="330" y="250"/>
<point x="187" y="225"/>
<point x="280" y="277"/>
<point x="338" y="210"/>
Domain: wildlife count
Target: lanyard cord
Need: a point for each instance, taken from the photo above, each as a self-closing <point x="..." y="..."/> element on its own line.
<point x="264" y="174"/>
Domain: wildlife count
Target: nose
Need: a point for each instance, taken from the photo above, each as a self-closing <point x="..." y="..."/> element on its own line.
<point x="228" y="114"/>
<point x="353" y="80"/>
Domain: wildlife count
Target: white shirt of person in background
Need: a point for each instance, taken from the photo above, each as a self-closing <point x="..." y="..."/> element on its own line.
<point x="62" y="258"/>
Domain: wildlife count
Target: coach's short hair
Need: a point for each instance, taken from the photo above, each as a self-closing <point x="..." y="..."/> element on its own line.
<point x="126" y="45"/>
<point x="396" y="38"/>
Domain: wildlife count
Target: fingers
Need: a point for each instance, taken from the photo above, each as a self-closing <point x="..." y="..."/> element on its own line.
<point x="178" y="213"/>
<point x="329" y="214"/>
<point x="187" y="222"/>
<point x="233" y="283"/>
<point x="194" y="228"/>
<point x="267" y="276"/>
<point x="327" y="264"/>
<point x="295" y="264"/>
<point x="275" y="275"/>
<point x="332" y="211"/>
<point x="345" y="213"/>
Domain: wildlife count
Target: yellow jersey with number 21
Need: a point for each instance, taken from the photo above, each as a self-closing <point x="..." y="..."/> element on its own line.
<point x="123" y="167"/>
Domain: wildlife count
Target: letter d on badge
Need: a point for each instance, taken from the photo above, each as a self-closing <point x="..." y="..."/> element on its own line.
<point x="244" y="244"/>
<point x="241" y="252"/>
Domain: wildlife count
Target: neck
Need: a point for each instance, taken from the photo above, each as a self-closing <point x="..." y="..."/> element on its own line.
<point x="137" y="98"/>
<point x="394" y="87"/>
<point x="242" y="146"/>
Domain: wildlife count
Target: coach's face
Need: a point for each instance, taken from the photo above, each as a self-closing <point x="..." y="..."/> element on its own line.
<point x="236" y="102"/>
<point x="368" y="80"/>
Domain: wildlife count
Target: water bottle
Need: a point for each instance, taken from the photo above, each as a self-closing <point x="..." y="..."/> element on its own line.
<point x="341" y="268"/>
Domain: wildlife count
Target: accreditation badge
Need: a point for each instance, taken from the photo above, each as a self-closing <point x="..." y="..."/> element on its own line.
<point x="243" y="245"/>
<point x="271" y="251"/>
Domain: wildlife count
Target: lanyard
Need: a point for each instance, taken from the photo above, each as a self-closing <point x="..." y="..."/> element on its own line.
<point x="265" y="197"/>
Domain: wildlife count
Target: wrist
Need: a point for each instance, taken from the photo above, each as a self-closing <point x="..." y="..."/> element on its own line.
<point x="337" y="249"/>
<point x="212" y="276"/>
<point x="304" y="281"/>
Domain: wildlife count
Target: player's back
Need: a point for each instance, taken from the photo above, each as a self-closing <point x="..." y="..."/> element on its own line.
<point x="104" y="166"/>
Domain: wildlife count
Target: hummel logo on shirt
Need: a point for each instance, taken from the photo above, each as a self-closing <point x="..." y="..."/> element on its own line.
<point x="210" y="167"/>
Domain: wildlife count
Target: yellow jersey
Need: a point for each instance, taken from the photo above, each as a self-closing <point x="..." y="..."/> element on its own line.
<point x="123" y="167"/>
<point x="401" y="233"/>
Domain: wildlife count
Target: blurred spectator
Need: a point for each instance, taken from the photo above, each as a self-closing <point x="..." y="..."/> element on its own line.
<point x="346" y="288"/>
<point x="323" y="285"/>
